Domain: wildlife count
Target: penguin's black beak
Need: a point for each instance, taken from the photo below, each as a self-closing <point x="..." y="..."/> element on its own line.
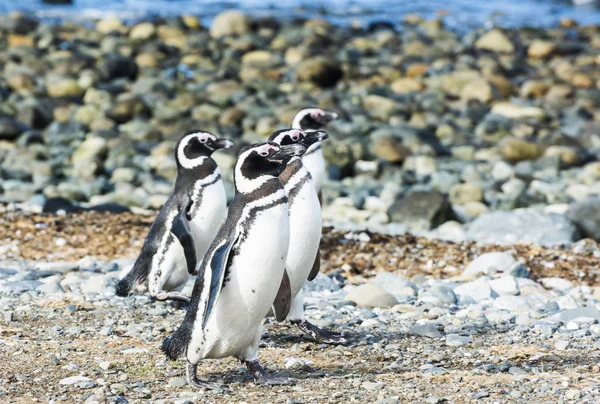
<point x="288" y="151"/>
<point x="313" y="137"/>
<point x="332" y="115"/>
<point x="223" y="144"/>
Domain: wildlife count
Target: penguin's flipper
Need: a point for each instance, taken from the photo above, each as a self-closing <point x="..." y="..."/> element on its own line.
<point x="283" y="300"/>
<point x="181" y="230"/>
<point x="217" y="269"/>
<point x="316" y="267"/>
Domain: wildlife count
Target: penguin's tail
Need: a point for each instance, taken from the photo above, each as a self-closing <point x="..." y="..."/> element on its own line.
<point x="173" y="346"/>
<point x="126" y="284"/>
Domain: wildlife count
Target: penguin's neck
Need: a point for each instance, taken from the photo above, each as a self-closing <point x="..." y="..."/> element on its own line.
<point x="269" y="185"/>
<point x="315" y="147"/>
<point x="293" y="168"/>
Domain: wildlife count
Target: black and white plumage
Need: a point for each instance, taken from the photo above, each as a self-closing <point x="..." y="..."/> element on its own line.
<point x="310" y="119"/>
<point x="303" y="260"/>
<point x="243" y="268"/>
<point x="185" y="225"/>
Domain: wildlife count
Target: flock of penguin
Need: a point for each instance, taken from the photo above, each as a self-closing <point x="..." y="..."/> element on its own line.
<point x="249" y="259"/>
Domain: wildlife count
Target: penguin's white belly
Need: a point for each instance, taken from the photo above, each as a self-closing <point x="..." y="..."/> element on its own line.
<point x="249" y="292"/>
<point x="208" y="218"/>
<point x="305" y="235"/>
<point x="169" y="272"/>
<point x="315" y="163"/>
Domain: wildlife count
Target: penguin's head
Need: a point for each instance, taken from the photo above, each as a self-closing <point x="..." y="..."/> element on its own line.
<point x="291" y="136"/>
<point x="287" y="136"/>
<point x="313" y="118"/>
<point x="260" y="161"/>
<point x="195" y="147"/>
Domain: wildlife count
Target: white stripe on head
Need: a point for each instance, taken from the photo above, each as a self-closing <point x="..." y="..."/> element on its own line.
<point x="246" y="185"/>
<point x="186" y="162"/>
<point x="302" y="113"/>
<point x="295" y="134"/>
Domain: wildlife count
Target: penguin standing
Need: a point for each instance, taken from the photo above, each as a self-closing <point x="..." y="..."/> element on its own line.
<point x="313" y="119"/>
<point x="186" y="224"/>
<point x="303" y="260"/>
<point x="242" y="271"/>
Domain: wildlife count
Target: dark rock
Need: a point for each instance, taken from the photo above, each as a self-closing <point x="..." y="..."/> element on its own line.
<point x="110" y="207"/>
<point x="35" y="115"/>
<point x="322" y="71"/>
<point x="10" y="128"/>
<point x="422" y="209"/>
<point x="21" y="24"/>
<point x="114" y="66"/>
<point x="586" y="215"/>
<point x="53" y="205"/>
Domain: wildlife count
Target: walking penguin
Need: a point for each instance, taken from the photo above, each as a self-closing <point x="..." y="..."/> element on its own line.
<point x="303" y="260"/>
<point x="242" y="271"/>
<point x="186" y="224"/>
<point x="310" y="119"/>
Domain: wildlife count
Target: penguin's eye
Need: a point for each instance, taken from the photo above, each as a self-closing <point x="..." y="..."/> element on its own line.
<point x="295" y="137"/>
<point x="203" y="140"/>
<point x="264" y="153"/>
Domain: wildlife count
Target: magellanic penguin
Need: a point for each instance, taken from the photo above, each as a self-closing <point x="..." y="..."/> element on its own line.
<point x="313" y="119"/>
<point x="303" y="260"/>
<point x="186" y="224"/>
<point x="242" y="271"/>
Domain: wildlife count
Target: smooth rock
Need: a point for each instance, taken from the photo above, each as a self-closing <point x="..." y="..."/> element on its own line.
<point x="369" y="295"/>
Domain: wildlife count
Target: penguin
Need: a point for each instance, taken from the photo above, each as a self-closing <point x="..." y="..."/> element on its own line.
<point x="313" y="119"/>
<point x="185" y="225"/>
<point x="240" y="276"/>
<point x="303" y="259"/>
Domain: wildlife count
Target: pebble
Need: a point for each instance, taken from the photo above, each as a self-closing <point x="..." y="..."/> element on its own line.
<point x="370" y="295"/>
<point x="457" y="340"/>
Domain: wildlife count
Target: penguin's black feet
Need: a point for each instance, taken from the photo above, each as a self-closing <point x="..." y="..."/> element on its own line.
<point x="321" y="335"/>
<point x="192" y="380"/>
<point x="261" y="377"/>
<point x="162" y="296"/>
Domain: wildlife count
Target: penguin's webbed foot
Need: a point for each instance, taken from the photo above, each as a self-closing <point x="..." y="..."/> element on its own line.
<point x="192" y="380"/>
<point x="320" y="334"/>
<point x="261" y="377"/>
<point x="162" y="296"/>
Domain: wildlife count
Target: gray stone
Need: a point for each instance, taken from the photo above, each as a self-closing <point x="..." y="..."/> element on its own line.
<point x="74" y="380"/>
<point x="478" y="290"/>
<point x="320" y="283"/>
<point x="369" y="295"/>
<point x="495" y="262"/>
<point x="445" y="294"/>
<point x="61" y="267"/>
<point x="457" y="340"/>
<point x="556" y="283"/>
<point x="177" y="382"/>
<point x="392" y="283"/>
<point x="18" y="287"/>
<point x="562" y="345"/>
<point x="586" y="215"/>
<point x="522" y="225"/>
<point x="425" y="330"/>
<point x="572" y="314"/>
<point x="51" y="288"/>
<point x="422" y="210"/>
<point x="507" y="285"/>
<point x="98" y="283"/>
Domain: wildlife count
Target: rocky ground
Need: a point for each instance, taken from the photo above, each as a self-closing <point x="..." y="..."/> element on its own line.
<point x="429" y="321"/>
<point x="472" y="160"/>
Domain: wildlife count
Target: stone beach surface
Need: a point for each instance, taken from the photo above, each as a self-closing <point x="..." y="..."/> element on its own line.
<point x="463" y="205"/>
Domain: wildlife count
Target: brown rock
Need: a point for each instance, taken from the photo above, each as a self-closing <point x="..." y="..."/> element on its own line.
<point x="541" y="49"/>
<point x="321" y="71"/>
<point x="516" y="150"/>
<point x="406" y="85"/>
<point x="495" y="41"/>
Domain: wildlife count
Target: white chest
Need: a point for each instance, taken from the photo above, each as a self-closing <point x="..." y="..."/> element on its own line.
<point x="208" y="213"/>
<point x="250" y="288"/>
<point x="315" y="163"/>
